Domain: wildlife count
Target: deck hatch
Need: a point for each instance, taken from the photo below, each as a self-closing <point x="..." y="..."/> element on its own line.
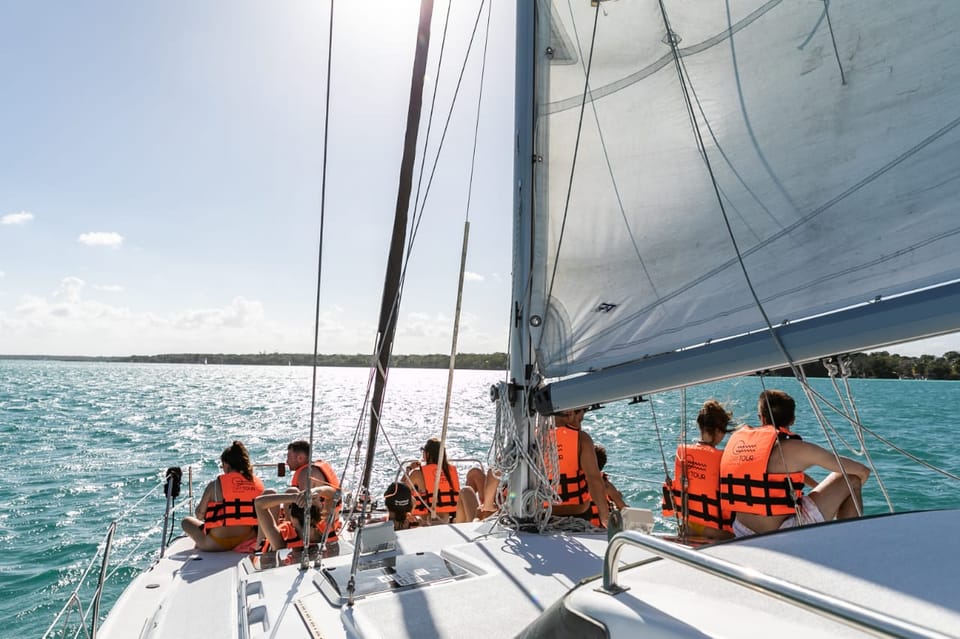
<point x="393" y="573"/>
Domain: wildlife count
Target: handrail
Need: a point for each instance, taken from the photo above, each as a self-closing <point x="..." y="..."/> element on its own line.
<point x="852" y="614"/>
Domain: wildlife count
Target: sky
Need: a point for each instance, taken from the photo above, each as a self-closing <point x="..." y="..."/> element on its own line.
<point x="161" y="180"/>
<point x="161" y="177"/>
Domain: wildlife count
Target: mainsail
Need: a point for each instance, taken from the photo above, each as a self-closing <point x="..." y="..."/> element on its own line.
<point x="698" y="162"/>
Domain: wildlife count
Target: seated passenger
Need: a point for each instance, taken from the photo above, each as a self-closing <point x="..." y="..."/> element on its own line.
<point x="614" y="497"/>
<point x="765" y="487"/>
<point x="453" y="504"/>
<point x="695" y="489"/>
<point x="225" y="515"/>
<point x="289" y="532"/>
<point x="399" y="504"/>
<point x="579" y="473"/>
<point x="484" y="485"/>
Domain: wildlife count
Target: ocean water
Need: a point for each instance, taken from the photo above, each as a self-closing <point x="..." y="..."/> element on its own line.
<point x="85" y="444"/>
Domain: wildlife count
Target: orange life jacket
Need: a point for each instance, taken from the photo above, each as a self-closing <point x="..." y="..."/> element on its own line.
<point x="236" y="509"/>
<point x="572" y="486"/>
<point x="447" y="496"/>
<point x="595" y="510"/>
<point x="701" y="465"/>
<point x="745" y="484"/>
<point x="289" y="535"/>
<point x="325" y="469"/>
<point x="330" y="477"/>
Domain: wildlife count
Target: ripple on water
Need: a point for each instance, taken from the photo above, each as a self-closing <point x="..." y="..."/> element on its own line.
<point x="80" y="443"/>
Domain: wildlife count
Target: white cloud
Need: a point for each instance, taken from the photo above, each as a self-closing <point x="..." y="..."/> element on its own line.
<point x="108" y="288"/>
<point x="2" y="274"/>
<point x="69" y="290"/>
<point x="472" y="277"/>
<point x="100" y="238"/>
<point x="16" y="218"/>
<point x="66" y="323"/>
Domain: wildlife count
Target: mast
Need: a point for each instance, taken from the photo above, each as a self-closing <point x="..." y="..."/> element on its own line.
<point x="522" y="242"/>
<point x="390" y="304"/>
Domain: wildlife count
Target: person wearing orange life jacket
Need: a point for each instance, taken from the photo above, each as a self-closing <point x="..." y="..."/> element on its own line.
<point x="614" y="496"/>
<point x="307" y="474"/>
<point x="225" y="515"/>
<point x="454" y="503"/>
<point x="579" y="473"/>
<point x="699" y="463"/>
<point x="762" y="474"/>
<point x="289" y="532"/>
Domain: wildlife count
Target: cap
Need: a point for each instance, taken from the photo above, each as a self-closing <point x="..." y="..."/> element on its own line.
<point x="397" y="497"/>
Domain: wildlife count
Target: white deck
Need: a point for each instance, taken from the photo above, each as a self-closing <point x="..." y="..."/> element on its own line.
<point x="903" y="565"/>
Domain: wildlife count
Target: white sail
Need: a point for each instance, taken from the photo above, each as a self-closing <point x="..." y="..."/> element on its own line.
<point x="837" y="168"/>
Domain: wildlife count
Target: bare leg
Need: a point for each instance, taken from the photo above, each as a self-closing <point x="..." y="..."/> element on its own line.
<point x="490" y="485"/>
<point x="852" y="506"/>
<point x="467" y="505"/>
<point x="475" y="479"/>
<point x="834" y="499"/>
<point x="194" y="529"/>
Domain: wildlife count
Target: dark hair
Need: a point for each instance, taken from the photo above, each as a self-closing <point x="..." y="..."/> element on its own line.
<point x="300" y="446"/>
<point x="398" y="499"/>
<point x="431" y="454"/>
<point x="296" y="511"/>
<point x="713" y="417"/>
<point x="601" y="455"/>
<point x="776" y="408"/>
<point x="239" y="460"/>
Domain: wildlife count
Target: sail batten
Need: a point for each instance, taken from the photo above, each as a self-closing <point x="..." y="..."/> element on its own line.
<point x="777" y="161"/>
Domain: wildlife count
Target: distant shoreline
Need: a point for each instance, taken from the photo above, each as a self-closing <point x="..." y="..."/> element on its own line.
<point x="489" y="361"/>
<point x="879" y="365"/>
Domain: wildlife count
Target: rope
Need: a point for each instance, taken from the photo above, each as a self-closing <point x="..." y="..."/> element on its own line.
<point x="316" y="319"/>
<point x="422" y="204"/>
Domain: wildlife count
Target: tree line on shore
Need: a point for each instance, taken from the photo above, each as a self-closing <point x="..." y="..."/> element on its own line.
<point x="882" y="364"/>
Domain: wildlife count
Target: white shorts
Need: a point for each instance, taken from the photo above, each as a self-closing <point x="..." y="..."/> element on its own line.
<point x="808" y="513"/>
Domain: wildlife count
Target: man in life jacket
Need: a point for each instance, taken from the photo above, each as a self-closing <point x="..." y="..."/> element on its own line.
<point x="289" y="531"/>
<point x="694" y="493"/>
<point x="454" y="503"/>
<point x="298" y="461"/>
<point x="307" y="475"/>
<point x="225" y="515"/>
<point x="762" y="474"/>
<point x="579" y="472"/>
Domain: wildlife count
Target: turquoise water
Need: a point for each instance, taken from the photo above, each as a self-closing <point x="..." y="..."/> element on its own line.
<point x="83" y="444"/>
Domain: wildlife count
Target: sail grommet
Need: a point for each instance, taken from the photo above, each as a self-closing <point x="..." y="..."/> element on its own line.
<point x="535" y="321"/>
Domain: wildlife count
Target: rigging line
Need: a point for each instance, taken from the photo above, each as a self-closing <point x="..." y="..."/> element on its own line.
<point x="824" y="423"/>
<point x="316" y="316"/>
<point x="463" y="263"/>
<point x="833" y="39"/>
<point x="716" y="188"/>
<point x="433" y="103"/>
<point x="394" y="310"/>
<point x="418" y="215"/>
<point x="446" y="126"/>
<point x="476" y="127"/>
<point x="909" y="455"/>
<point x="573" y="159"/>
<point x="606" y="158"/>
<point x="855" y="425"/>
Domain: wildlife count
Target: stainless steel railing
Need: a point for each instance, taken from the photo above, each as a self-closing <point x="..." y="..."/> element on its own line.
<point x="852" y="614"/>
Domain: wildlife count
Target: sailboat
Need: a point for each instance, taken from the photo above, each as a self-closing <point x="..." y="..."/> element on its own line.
<point x="701" y="191"/>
